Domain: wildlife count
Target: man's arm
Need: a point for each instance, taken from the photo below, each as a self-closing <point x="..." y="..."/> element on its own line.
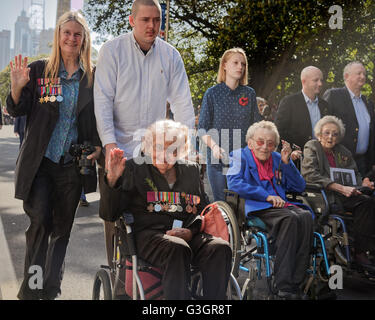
<point x="104" y="94"/>
<point x="179" y="95"/>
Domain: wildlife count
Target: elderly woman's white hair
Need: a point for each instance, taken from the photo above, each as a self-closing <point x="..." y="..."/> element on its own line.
<point x="167" y="131"/>
<point x="263" y="125"/>
<point x="330" y="119"/>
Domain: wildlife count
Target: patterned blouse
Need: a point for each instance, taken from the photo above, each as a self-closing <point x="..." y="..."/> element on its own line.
<point x="65" y="132"/>
<point x="230" y="112"/>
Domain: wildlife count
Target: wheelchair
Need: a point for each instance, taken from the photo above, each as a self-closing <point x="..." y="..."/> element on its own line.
<point x="253" y="257"/>
<point x="141" y="280"/>
<point x="335" y="225"/>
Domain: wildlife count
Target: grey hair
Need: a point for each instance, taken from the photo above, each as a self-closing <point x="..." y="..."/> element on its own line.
<point x="330" y="119"/>
<point x="167" y="131"/>
<point x="263" y="125"/>
<point x="348" y="67"/>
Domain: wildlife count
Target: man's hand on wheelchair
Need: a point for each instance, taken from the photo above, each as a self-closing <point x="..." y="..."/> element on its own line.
<point x="116" y="166"/>
<point x="182" y="233"/>
<point x="276" y="201"/>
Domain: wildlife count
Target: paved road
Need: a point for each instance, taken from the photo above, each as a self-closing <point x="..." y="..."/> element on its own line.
<point x="86" y="251"/>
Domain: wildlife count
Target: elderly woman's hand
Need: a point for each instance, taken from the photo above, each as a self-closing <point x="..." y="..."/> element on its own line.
<point x="182" y="233"/>
<point x="349" y="191"/>
<point x="286" y="150"/>
<point x="276" y="201"/>
<point x="116" y="166"/>
<point x="296" y="154"/>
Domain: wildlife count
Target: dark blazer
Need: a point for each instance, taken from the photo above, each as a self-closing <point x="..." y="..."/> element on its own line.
<point x="1" y="116"/>
<point x="41" y="121"/>
<point x="341" y="106"/>
<point x="293" y="118"/>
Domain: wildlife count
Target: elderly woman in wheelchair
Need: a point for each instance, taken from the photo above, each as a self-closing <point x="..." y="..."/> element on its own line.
<point x="262" y="176"/>
<point x="164" y="194"/>
<point x="328" y="163"/>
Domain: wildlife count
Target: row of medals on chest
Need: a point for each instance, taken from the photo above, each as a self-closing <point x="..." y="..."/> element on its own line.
<point x="171" y="202"/>
<point x="50" y="90"/>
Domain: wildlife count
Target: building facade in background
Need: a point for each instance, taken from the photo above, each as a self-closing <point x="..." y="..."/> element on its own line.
<point x="62" y="7"/>
<point x="4" y="48"/>
<point x="23" y="36"/>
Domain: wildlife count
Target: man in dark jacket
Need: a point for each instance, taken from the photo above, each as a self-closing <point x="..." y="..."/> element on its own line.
<point x="357" y="113"/>
<point x="299" y="112"/>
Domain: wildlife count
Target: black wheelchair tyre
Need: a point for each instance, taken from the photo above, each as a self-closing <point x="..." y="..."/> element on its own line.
<point x="102" y="284"/>
<point x="234" y="233"/>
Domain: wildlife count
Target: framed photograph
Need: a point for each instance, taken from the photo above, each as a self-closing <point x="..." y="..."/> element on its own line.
<point x="345" y="177"/>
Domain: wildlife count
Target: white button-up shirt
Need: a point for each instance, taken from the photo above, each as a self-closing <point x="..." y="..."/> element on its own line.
<point x="131" y="90"/>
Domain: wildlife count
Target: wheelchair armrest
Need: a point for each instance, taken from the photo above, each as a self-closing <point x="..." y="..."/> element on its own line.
<point x="314" y="187"/>
<point x="128" y="220"/>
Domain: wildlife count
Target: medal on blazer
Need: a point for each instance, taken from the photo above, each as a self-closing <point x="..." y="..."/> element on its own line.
<point x="50" y="90"/>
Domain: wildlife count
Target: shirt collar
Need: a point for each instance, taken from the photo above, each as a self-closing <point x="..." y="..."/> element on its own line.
<point x="352" y="95"/>
<point x="228" y="90"/>
<point x="137" y="44"/>
<point x="63" y="73"/>
<point x="308" y="100"/>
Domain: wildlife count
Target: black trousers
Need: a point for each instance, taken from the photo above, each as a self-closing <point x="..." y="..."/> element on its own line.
<point x="292" y="230"/>
<point x="363" y="209"/>
<point x="174" y="256"/>
<point x="51" y="207"/>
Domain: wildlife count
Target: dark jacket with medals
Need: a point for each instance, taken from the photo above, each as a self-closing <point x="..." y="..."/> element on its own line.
<point x="41" y="121"/>
<point x="141" y="179"/>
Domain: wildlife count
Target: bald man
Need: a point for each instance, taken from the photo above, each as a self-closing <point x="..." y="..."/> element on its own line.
<point x="299" y="112"/>
<point x="357" y="113"/>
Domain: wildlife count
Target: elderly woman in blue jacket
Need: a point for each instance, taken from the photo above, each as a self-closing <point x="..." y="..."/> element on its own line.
<point x="262" y="176"/>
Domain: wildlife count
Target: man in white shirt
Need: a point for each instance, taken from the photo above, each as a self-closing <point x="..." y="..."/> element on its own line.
<point x="357" y="113"/>
<point x="136" y="74"/>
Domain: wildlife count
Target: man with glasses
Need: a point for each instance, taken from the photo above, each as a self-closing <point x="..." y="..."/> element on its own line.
<point x="357" y="113"/>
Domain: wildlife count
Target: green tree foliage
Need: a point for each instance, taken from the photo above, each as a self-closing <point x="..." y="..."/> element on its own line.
<point x="280" y="38"/>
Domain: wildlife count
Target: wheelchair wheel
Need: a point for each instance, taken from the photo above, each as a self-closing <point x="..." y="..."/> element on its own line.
<point x="102" y="286"/>
<point x="234" y="234"/>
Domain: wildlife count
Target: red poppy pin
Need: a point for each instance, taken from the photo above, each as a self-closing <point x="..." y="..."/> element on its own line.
<point x="244" y="101"/>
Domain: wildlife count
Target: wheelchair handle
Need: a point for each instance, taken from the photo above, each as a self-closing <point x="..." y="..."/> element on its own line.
<point x="128" y="218"/>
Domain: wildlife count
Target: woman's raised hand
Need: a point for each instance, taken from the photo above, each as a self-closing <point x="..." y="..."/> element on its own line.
<point x="116" y="166"/>
<point x="286" y="150"/>
<point x="19" y="76"/>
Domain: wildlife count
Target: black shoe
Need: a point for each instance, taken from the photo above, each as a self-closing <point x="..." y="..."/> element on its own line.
<point x="286" y="295"/>
<point x="84" y="203"/>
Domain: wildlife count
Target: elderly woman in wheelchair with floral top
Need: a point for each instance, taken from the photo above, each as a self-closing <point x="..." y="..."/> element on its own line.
<point x="163" y="191"/>
<point x="262" y="176"/>
<point x="347" y="194"/>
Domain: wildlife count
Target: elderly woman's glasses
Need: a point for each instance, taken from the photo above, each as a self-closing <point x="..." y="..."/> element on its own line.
<point x="269" y="144"/>
<point x="334" y="134"/>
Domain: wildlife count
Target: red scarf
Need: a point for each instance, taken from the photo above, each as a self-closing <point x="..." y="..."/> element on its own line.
<point x="264" y="169"/>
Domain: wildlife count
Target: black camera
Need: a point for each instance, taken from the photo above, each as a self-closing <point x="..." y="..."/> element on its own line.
<point x="80" y="153"/>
